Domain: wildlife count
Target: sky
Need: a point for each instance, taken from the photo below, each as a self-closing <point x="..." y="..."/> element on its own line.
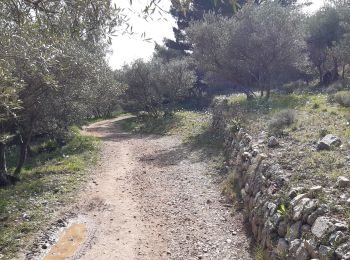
<point x="126" y="48"/>
<point x="316" y="4"/>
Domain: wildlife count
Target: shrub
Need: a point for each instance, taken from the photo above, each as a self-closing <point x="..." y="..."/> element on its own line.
<point x="281" y="120"/>
<point x="235" y="124"/>
<point x="339" y="86"/>
<point x="44" y="147"/>
<point x="331" y="98"/>
<point x="282" y="210"/>
<point x="158" y="86"/>
<point x="323" y="132"/>
<point x="342" y="98"/>
<point x="293" y="86"/>
<point x="315" y="106"/>
<point x="260" y="253"/>
<point x="346" y="84"/>
<point x="336" y="86"/>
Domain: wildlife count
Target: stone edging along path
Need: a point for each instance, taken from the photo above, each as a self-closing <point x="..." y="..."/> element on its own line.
<point x="287" y="222"/>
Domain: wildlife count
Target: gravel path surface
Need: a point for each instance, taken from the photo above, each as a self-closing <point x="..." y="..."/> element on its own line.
<point x="153" y="198"/>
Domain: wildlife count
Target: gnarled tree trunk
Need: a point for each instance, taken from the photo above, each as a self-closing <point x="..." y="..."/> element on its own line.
<point x="3" y="168"/>
<point x="23" y="153"/>
<point x="335" y="72"/>
<point x="268" y="93"/>
<point x="320" y="73"/>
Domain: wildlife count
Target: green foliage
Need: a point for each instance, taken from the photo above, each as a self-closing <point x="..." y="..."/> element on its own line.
<point x="348" y="218"/>
<point x="235" y="124"/>
<point x="323" y="132"/>
<point x="78" y="142"/>
<point x="242" y="50"/>
<point x="53" y="71"/>
<point x="335" y="87"/>
<point x="293" y="86"/>
<point x="328" y="40"/>
<point x="48" y="180"/>
<point x="158" y="85"/>
<point x="324" y="27"/>
<point x="281" y="120"/>
<point x="342" y="98"/>
<point x="315" y="106"/>
<point x="231" y="188"/>
<point x="275" y="103"/>
<point x="283" y="210"/>
<point x="194" y="11"/>
<point x="325" y="163"/>
<point x="259" y="253"/>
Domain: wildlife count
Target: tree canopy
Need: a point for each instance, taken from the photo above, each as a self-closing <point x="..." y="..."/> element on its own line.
<point x="53" y="66"/>
<point x="256" y="48"/>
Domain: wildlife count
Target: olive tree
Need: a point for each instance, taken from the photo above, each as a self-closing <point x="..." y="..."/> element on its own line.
<point x="53" y="52"/>
<point x="255" y="49"/>
<point x="323" y="33"/>
<point x="173" y="81"/>
<point x="157" y="86"/>
<point x="141" y="91"/>
<point x="343" y="47"/>
<point x="9" y="107"/>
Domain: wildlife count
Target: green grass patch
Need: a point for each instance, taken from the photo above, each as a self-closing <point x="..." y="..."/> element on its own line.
<point x="313" y="112"/>
<point x="49" y="179"/>
<point x="231" y="188"/>
<point x="316" y="115"/>
<point x="260" y="253"/>
<point x="276" y="102"/>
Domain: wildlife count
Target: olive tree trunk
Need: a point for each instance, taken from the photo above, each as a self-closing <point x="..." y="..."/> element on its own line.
<point x="3" y="168"/>
<point x="320" y="73"/>
<point x="23" y="153"/>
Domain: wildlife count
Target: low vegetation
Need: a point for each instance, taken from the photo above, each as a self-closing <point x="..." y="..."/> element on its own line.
<point x="342" y="98"/>
<point x="299" y="124"/>
<point x="281" y="120"/>
<point x="51" y="176"/>
<point x="271" y="168"/>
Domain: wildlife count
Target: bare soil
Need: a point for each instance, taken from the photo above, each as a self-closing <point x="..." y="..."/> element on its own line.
<point x="152" y="198"/>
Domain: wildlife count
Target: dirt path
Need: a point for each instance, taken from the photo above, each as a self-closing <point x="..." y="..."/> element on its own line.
<point x="152" y="198"/>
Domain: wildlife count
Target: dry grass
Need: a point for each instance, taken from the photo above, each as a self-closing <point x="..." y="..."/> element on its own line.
<point x="50" y="179"/>
<point x="298" y="155"/>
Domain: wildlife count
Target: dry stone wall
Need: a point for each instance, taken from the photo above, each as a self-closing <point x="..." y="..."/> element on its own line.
<point x="288" y="222"/>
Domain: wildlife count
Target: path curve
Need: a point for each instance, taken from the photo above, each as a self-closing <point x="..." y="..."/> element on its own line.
<point x="153" y="198"/>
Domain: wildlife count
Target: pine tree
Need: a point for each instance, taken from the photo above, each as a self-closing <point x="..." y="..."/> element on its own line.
<point x="193" y="12"/>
